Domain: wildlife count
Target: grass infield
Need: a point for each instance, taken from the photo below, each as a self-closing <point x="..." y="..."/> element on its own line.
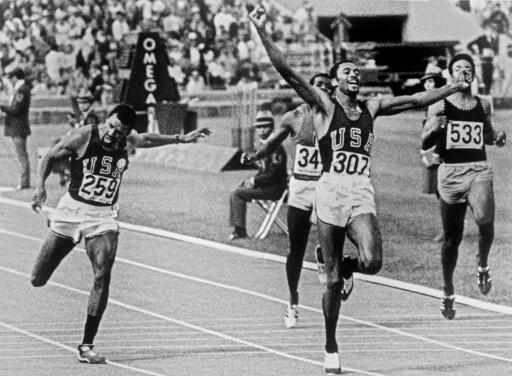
<point x="196" y="204"/>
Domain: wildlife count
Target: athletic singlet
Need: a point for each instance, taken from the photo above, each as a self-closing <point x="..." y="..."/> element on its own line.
<point x="96" y="176"/>
<point x="462" y="140"/>
<point x="345" y="148"/>
<point x="307" y="164"/>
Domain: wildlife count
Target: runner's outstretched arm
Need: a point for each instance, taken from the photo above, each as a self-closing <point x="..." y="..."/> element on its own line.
<point x="395" y="105"/>
<point x="315" y="98"/>
<point x="150" y="140"/>
<point x="272" y="142"/>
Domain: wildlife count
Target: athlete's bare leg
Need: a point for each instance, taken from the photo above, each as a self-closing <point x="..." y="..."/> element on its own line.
<point x="298" y="226"/>
<point x="452" y="216"/>
<point x="364" y="232"/>
<point x="101" y="250"/>
<point x="331" y="241"/>
<point x="481" y="202"/>
<point x="54" y="249"/>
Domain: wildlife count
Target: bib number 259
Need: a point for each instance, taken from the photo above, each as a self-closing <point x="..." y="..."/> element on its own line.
<point x="98" y="188"/>
<point x="350" y="163"/>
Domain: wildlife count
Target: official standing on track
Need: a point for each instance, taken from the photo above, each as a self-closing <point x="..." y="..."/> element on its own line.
<point x="89" y="209"/>
<point x="460" y="127"/>
<point x="17" y="124"/>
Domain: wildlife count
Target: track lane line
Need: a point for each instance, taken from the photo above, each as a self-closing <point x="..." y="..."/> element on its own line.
<point x="168" y="319"/>
<point x="69" y="348"/>
<point x="278" y="300"/>
<point x="383" y="281"/>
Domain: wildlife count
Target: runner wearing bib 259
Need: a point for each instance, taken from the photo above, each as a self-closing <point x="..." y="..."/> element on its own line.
<point x="89" y="209"/>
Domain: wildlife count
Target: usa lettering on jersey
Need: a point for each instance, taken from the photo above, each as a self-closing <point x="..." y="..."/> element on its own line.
<point x="357" y="160"/>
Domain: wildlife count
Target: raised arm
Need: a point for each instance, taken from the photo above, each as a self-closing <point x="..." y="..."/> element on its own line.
<point x="312" y="96"/>
<point x="395" y="105"/>
<point x="150" y="140"/>
<point x="69" y="145"/>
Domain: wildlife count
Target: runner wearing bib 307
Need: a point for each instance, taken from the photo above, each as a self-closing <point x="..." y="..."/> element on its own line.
<point x="460" y="127"/>
<point x="344" y="127"/>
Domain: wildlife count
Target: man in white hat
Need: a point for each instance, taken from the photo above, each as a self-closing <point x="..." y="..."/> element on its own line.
<point x="268" y="184"/>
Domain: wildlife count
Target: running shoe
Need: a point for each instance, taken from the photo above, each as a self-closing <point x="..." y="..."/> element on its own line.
<point x="447" y="310"/>
<point x="235" y="235"/>
<point x="348" y="286"/>
<point x="87" y="355"/>
<point x="332" y="363"/>
<point x="291" y="316"/>
<point x="322" y="274"/>
<point x="484" y="280"/>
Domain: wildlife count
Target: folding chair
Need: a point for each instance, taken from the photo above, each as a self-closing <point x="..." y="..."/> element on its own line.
<point x="272" y="209"/>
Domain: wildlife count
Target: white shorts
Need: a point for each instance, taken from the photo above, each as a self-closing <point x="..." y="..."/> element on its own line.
<point x="454" y="180"/>
<point x="341" y="198"/>
<point x="75" y="219"/>
<point x="301" y="193"/>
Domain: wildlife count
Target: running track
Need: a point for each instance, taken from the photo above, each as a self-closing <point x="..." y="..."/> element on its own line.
<point x="186" y="309"/>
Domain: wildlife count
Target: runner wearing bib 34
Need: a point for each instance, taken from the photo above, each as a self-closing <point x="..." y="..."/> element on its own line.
<point x="344" y="203"/>
<point x="307" y="168"/>
<point x="460" y="127"/>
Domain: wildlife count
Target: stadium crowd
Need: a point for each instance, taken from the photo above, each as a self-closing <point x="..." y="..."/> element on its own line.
<point x="65" y="45"/>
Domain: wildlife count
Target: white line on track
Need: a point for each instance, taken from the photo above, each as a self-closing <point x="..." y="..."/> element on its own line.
<point x="69" y="348"/>
<point x="269" y="298"/>
<point x="507" y="310"/>
<point x="169" y="319"/>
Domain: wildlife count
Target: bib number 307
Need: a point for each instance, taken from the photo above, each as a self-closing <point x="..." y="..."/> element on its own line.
<point x="98" y="188"/>
<point x="345" y="162"/>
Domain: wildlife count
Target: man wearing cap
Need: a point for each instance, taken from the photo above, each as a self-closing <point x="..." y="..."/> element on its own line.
<point x="17" y="124"/>
<point x="89" y="208"/>
<point x="268" y="184"/>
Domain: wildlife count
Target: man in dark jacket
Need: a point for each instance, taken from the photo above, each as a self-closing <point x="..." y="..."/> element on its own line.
<point x="16" y="122"/>
<point x="268" y="184"/>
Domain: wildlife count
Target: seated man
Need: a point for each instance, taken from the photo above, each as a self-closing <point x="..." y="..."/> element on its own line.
<point x="268" y="184"/>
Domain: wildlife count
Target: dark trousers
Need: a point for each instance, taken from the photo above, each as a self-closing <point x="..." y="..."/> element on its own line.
<point x="240" y="197"/>
<point x="20" y="144"/>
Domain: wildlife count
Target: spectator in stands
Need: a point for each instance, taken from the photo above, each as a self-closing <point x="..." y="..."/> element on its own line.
<point x="120" y="25"/>
<point x="17" y="122"/>
<point x="246" y="82"/>
<point x="499" y="19"/>
<point x="268" y="184"/>
<point x="53" y="62"/>
<point x="195" y="82"/>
